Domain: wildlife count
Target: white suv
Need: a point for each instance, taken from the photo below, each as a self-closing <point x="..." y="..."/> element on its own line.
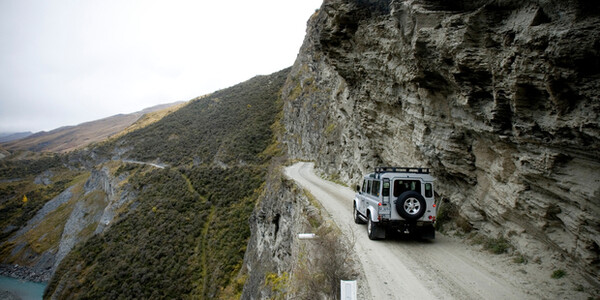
<point x="396" y="198"/>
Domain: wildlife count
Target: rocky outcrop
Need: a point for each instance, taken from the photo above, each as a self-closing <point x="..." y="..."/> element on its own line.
<point x="33" y="254"/>
<point x="73" y="216"/>
<point x="8" y="295"/>
<point x="500" y="98"/>
<point x="45" y="178"/>
<point x="87" y="211"/>
<point x="279" y="216"/>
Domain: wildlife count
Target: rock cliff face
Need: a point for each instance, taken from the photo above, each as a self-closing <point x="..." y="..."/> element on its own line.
<point x="275" y="223"/>
<point x="500" y="98"/>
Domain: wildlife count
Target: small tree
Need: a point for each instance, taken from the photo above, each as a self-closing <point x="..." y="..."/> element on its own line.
<point x="25" y="199"/>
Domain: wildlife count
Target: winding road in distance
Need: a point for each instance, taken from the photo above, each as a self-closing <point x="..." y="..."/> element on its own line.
<point x="400" y="268"/>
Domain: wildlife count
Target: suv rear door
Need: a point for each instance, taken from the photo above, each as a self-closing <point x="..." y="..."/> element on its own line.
<point x="401" y="185"/>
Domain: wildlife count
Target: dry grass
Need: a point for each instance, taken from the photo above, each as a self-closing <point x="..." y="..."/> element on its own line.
<point x="149" y="118"/>
<point x="68" y="138"/>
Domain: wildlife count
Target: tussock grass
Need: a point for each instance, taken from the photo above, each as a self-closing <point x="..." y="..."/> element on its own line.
<point x="557" y="274"/>
<point x="494" y="245"/>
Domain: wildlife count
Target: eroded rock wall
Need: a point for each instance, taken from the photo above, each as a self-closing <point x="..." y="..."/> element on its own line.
<point x="85" y="208"/>
<point x="500" y="98"/>
<point x="280" y="215"/>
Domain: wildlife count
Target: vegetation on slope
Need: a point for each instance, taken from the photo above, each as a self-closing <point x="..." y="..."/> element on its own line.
<point x="149" y="118"/>
<point x="185" y="234"/>
<point x="167" y="246"/>
<point x="231" y="126"/>
<point x="21" y="195"/>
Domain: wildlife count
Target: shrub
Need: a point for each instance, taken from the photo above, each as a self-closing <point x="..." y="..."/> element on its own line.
<point x="278" y="284"/>
<point x="496" y="246"/>
<point x="323" y="262"/>
<point x="520" y="259"/>
<point x="448" y="215"/>
<point x="557" y="274"/>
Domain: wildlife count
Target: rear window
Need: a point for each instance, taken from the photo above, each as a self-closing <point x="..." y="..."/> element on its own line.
<point x="386" y="188"/>
<point x="428" y="190"/>
<point x="401" y="186"/>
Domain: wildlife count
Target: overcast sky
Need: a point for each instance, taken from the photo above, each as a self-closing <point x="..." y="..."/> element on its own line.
<point x="65" y="62"/>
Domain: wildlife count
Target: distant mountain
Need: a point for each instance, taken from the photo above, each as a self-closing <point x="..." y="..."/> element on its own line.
<point x="11" y="136"/>
<point x="67" y="138"/>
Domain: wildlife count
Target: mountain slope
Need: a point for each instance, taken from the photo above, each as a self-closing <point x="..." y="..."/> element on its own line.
<point x="229" y="126"/>
<point x="68" y="138"/>
<point x="184" y="234"/>
<point x="7" y="137"/>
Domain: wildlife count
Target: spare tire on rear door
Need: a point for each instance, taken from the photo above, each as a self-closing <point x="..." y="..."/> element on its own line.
<point x="411" y="205"/>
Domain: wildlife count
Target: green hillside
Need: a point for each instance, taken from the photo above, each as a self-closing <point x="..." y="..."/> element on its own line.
<point x="18" y="180"/>
<point x="231" y="125"/>
<point x="185" y="234"/>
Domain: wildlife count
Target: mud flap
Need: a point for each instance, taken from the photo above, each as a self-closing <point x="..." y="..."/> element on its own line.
<point x="375" y="230"/>
<point x="380" y="232"/>
<point x="427" y="232"/>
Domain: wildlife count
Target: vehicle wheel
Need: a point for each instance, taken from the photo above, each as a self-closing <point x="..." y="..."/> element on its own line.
<point x="372" y="228"/>
<point x="411" y="205"/>
<point x="357" y="218"/>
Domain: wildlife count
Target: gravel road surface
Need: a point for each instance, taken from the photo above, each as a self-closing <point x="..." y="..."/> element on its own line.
<point x="401" y="268"/>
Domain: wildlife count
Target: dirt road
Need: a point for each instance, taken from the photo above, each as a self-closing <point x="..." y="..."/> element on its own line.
<point x="444" y="268"/>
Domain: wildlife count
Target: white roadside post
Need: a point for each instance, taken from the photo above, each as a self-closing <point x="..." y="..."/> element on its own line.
<point x="307" y="236"/>
<point x="347" y="289"/>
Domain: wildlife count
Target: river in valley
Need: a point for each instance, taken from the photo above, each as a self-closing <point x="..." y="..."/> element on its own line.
<point x="25" y="290"/>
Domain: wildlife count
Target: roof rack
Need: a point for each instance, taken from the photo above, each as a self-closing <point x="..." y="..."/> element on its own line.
<point x="402" y="170"/>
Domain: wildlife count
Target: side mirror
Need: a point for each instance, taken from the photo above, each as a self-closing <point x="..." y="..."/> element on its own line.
<point x="358" y="188"/>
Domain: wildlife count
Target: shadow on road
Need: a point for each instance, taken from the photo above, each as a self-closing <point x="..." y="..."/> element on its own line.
<point x="407" y="238"/>
<point x="400" y="237"/>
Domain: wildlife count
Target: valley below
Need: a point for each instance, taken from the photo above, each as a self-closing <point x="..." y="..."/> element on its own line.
<point x="15" y="289"/>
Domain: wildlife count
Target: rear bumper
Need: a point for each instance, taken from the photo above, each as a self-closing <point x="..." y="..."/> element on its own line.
<point x="421" y="229"/>
<point x="401" y="224"/>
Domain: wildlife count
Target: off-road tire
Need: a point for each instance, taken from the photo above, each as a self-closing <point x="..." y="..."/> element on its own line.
<point x="411" y="205"/>
<point x="372" y="228"/>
